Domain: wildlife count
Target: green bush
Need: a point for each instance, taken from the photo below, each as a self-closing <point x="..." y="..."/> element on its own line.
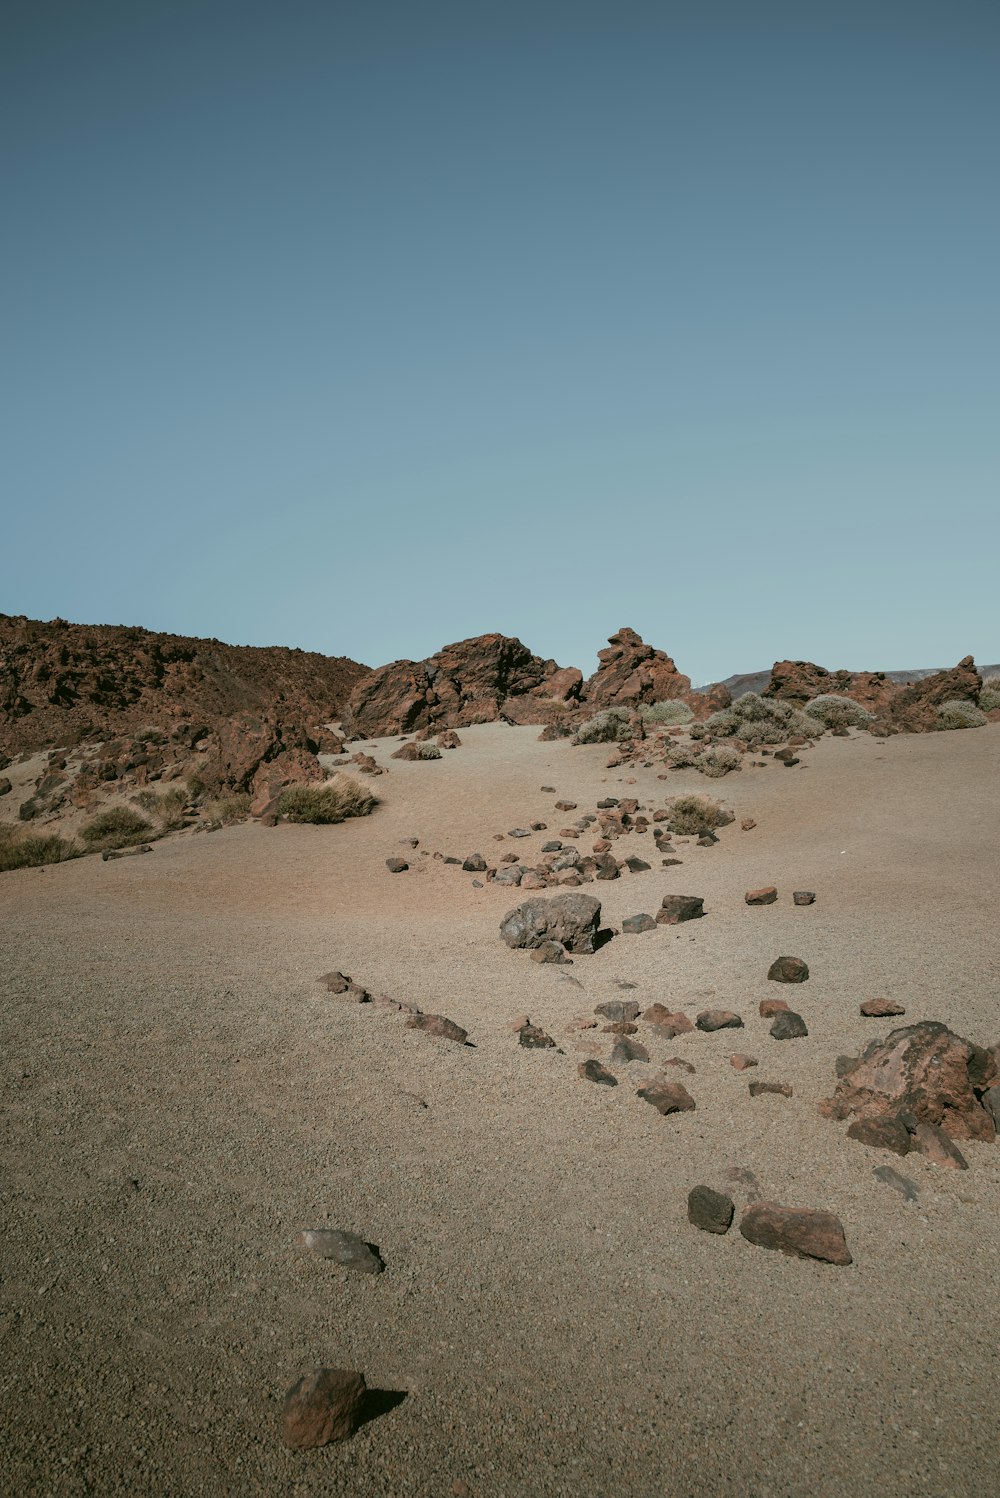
<point x="758" y="720"/>
<point x="229" y="809"/>
<point x="720" y="759"/>
<point x="168" y="808"/>
<point x="428" y="751"/>
<point x="336" y="800"/>
<point x="118" y="827"/>
<point x="20" y="850"/>
<point x="608" y="727"/>
<point x="671" y="711"/>
<point x="692" y="815"/>
<point x="959" y="714"/>
<point x="989" y="697"/>
<point x="838" y="712"/>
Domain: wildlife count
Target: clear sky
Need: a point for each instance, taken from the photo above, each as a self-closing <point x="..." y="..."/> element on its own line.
<point x="368" y="325"/>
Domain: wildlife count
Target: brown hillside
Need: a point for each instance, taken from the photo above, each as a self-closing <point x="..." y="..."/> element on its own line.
<point x="60" y="682"/>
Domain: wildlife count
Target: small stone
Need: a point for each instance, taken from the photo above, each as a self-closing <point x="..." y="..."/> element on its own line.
<point x="718" y="1019"/>
<point x="519" y="832"/>
<point x="881" y="1008"/>
<point x="323" y="1406"/>
<point x="906" y="1188"/>
<point x="549" y="790"/>
<point x="554" y="845"/>
<point x="549" y="951"/>
<point x="518" y="1023"/>
<point x="881" y="1134"/>
<point x="748" y="824"/>
<point x="681" y="1065"/>
<point x="789" y="1026"/>
<point x="396" y="865"/>
<point x="336" y="982"/>
<point x="770" y="1007"/>
<point x="788" y="970"/>
<point x="620" y="1027"/>
<point x="710" y="1210"/>
<point x="764" y="896"/>
<point x="618" y="1009"/>
<point x="534" y="1039"/>
<point x="668" y="1097"/>
<point x="798" y="1231"/>
<point x="991" y="1100"/>
<point x="637" y="866"/>
<point x="607" y="868"/>
<point x="740" y="1062"/>
<point x="593" y="1071"/>
<point x="343" y="1248"/>
<point x="677" y="908"/>
<point x="626" y="1050"/>
<point x="436" y="1024"/>
<point x="565" y="806"/>
<point x="803" y="896"/>
<point x="475" y="864"/>
<point x="634" y="925"/>
<point x="780" y="1089"/>
<point x="933" y="1142"/>
<point x="669" y="1023"/>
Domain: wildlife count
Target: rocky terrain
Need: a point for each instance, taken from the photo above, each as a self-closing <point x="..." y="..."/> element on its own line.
<point x="479" y="1145"/>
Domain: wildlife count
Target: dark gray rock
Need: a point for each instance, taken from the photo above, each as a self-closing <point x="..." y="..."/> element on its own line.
<point x="789" y="1026"/>
<point x="633" y="925"/>
<point x="347" y="1249"/>
<point x="710" y="1210"/>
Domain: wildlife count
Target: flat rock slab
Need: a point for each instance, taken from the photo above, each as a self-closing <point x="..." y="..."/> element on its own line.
<point x="789" y="1026"/>
<point x="677" y="908"/>
<point x="740" y="1062"/>
<point x="634" y="925"/>
<point x="933" y="1142"/>
<point x="712" y="1211"/>
<point x="765" y="896"/>
<point x="779" y="1089"/>
<point x="626" y="1050"/>
<point x="908" y="1189"/>
<point x="343" y="1248"/>
<point x="549" y="951"/>
<point x="718" y="1019"/>
<point x="803" y="896"/>
<point x="437" y="1024"/>
<point x="799" y="1231"/>
<point x="670" y="1022"/>
<point x="396" y="865"/>
<point x="788" y="970"/>
<point x="570" y="919"/>
<point x="881" y="1009"/>
<point x="593" y="1071"/>
<point x="882" y="1134"/>
<point x="668" y="1097"/>
<point x="323" y="1406"/>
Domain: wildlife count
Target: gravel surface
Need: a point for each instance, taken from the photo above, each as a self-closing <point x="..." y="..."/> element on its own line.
<point x="183" y="1098"/>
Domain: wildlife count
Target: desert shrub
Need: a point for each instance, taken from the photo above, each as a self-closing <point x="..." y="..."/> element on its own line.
<point x="605" y="728"/>
<point x="989" y="697"/>
<point x="959" y="714"/>
<point x="838" y="712"/>
<point x="671" y="710"/>
<point x="720" y="759"/>
<point x="19" y="850"/>
<point x="683" y="756"/>
<point x="757" y="720"/>
<point x="168" y="808"/>
<point x="692" y="815"/>
<point x="336" y="800"/>
<point x="229" y="809"/>
<point x="116" y="828"/>
<point x="428" y="751"/>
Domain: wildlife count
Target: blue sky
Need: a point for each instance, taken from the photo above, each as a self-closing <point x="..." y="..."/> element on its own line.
<point x="366" y="327"/>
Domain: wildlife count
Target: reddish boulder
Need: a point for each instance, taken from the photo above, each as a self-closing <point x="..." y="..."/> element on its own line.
<point x="881" y="1009"/>
<point x="290" y="767"/>
<point x="323" y="1406"/>
<point x="632" y="672"/>
<point x="437" y="1024"/>
<point x="799" y="1231"/>
<point x="670" y="1023"/>
<point x="468" y="682"/>
<point x="924" y="1070"/>
<point x="668" y="1097"/>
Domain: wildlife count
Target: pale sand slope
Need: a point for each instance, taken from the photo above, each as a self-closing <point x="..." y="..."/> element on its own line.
<point x="183" y="1097"/>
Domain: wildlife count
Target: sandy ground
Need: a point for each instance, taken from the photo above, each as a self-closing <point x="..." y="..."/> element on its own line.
<point x="182" y="1097"/>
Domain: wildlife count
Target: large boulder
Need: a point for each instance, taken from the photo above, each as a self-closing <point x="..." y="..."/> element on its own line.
<point x="469" y="682"/>
<point x="632" y="672"/>
<point x="897" y="708"/>
<point x="571" y="919"/>
<point x="923" y="1070"/>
